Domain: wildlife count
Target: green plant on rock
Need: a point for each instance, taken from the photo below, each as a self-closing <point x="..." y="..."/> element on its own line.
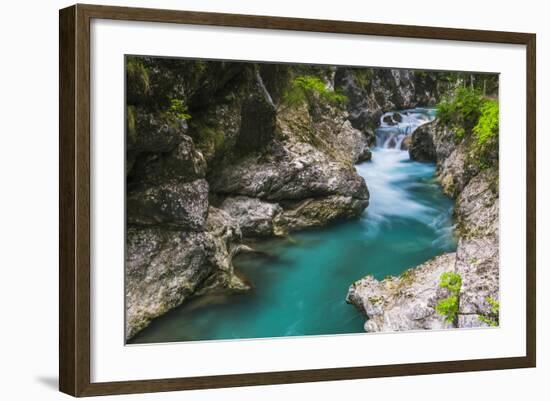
<point x="306" y="86"/>
<point x="473" y="118"/>
<point x="487" y="124"/>
<point x="491" y="318"/>
<point x="448" y="307"/>
<point x="178" y="109"/>
<point x="461" y="110"/>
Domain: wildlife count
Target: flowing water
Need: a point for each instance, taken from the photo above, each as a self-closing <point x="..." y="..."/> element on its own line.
<point x="300" y="284"/>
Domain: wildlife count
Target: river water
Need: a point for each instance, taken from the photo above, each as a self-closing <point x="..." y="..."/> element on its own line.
<point x="300" y="284"/>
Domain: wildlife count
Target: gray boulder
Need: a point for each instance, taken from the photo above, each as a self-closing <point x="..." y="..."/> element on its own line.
<point x="295" y="172"/>
<point x="421" y="146"/>
<point x="256" y="218"/>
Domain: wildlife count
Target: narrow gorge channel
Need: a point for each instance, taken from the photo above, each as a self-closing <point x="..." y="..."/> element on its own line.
<point x="299" y="284"/>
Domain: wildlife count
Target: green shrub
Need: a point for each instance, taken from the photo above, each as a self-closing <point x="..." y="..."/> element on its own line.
<point x="492" y="318"/>
<point x="178" y="109"/>
<point x="487" y="124"/>
<point x="462" y="110"/>
<point x="451" y="281"/>
<point x="473" y="118"/>
<point x="448" y="307"/>
<point x="306" y="86"/>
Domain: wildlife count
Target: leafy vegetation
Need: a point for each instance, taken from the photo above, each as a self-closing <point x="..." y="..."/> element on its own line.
<point x="475" y="118"/>
<point x="178" y="109"/>
<point x="492" y="318"/>
<point x="451" y="281"/>
<point x="448" y="307"/>
<point x="461" y="111"/>
<point x="305" y="87"/>
<point x="487" y="124"/>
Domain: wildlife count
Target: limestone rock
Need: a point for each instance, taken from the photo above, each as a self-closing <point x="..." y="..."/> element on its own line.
<point x="294" y="172"/>
<point x="258" y="119"/>
<point x="164" y="267"/>
<point x="176" y="204"/>
<point x="421" y="146"/>
<point x="184" y="163"/>
<point x="256" y="218"/>
<point x="476" y="208"/>
<point x="406" y="302"/>
<point x="320" y="212"/>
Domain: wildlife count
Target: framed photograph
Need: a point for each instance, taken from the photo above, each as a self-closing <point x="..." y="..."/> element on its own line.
<point x="250" y="200"/>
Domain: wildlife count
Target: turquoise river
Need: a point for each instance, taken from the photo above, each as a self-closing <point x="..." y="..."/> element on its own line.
<point x="300" y="283"/>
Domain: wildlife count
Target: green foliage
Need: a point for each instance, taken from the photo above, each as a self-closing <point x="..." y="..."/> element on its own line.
<point x="306" y="86"/>
<point x="492" y="318"/>
<point x="178" y="109"/>
<point x="448" y="307"/>
<point x="473" y="118"/>
<point x="487" y="124"/>
<point x="451" y="281"/>
<point x="461" y="110"/>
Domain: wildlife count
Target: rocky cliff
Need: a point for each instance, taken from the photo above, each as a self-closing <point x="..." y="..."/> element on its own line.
<point x="374" y="91"/>
<point x="217" y="151"/>
<point x="409" y="301"/>
<point x="221" y="151"/>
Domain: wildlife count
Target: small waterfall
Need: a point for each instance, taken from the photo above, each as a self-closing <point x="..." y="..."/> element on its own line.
<point x="261" y="84"/>
<point x="394" y="180"/>
<point x="395" y="126"/>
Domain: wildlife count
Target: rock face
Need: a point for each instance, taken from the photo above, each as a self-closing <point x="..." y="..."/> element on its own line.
<point x="218" y="151"/>
<point x="375" y="91"/>
<point x="172" y="203"/>
<point x="408" y="302"/>
<point x="300" y="187"/>
<point x="258" y="118"/>
<point x="164" y="268"/>
<point x="436" y="143"/>
<point x="256" y="218"/>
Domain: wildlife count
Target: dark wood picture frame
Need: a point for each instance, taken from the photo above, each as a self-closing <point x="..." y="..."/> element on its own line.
<point x="74" y="204"/>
